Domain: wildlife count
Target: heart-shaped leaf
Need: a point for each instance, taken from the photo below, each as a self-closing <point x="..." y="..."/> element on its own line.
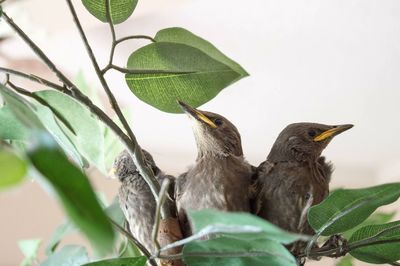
<point x="382" y="252"/>
<point x="74" y="191"/>
<point x="347" y="208"/>
<point x="120" y="10"/>
<point x="186" y="68"/>
<point x="13" y="169"/>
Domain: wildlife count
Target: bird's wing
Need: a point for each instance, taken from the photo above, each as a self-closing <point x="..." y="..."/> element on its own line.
<point x="138" y="205"/>
<point x="257" y="188"/>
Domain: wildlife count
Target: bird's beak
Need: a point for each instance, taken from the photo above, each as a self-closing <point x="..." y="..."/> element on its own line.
<point x="199" y="116"/>
<point x="112" y="172"/>
<point x="335" y="130"/>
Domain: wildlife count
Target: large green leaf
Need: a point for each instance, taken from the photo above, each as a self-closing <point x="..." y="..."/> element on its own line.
<point x="11" y="127"/>
<point x="230" y="251"/>
<point x="346" y="208"/>
<point x="216" y="222"/>
<point x="67" y="256"/>
<point x="375" y="218"/>
<point x="136" y="261"/>
<point x="88" y="133"/>
<point x="183" y="36"/>
<point x="120" y="10"/>
<point x="39" y="117"/>
<point x="380" y="253"/>
<point x="184" y="72"/>
<point x="13" y="168"/>
<point x="75" y="193"/>
<point x="29" y="248"/>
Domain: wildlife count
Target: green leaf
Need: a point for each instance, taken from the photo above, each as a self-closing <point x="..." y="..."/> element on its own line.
<point x="61" y="231"/>
<point x="75" y="193"/>
<point x="345" y="261"/>
<point x="375" y="218"/>
<point x="88" y="137"/>
<point x="67" y="256"/>
<point x="189" y="74"/>
<point x="380" y="253"/>
<point x="230" y="251"/>
<point x="30" y="249"/>
<point x="183" y="36"/>
<point x="120" y="10"/>
<point x="39" y="117"/>
<point x="217" y="222"/>
<point x="127" y="249"/>
<point x="13" y="169"/>
<point x="346" y="208"/>
<point x="136" y="261"/>
<point x="11" y="127"/>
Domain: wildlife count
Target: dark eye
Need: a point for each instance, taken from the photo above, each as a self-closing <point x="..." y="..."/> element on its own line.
<point x="218" y="121"/>
<point x="312" y="133"/>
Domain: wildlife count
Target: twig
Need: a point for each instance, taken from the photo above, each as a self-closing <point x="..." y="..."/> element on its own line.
<point x="135" y="37"/>
<point x="132" y="239"/>
<point x="162" y="196"/>
<point x="135" y="149"/>
<point x="32" y="78"/>
<point x="43" y="102"/>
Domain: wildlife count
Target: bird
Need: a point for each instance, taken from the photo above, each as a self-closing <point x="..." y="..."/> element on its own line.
<point x="135" y="197"/>
<point x="220" y="178"/>
<point x="294" y="176"/>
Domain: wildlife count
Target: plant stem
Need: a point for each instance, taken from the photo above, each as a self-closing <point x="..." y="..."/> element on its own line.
<point x="134" y="37"/>
<point x="32" y="78"/>
<point x="157" y="218"/>
<point x="132" y="239"/>
<point x="134" y="148"/>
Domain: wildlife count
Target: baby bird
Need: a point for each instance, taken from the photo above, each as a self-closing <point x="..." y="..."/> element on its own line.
<point x="135" y="197"/>
<point x="295" y="176"/>
<point x="221" y="177"/>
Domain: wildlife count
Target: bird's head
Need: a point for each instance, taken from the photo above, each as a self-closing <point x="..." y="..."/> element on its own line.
<point x="304" y="141"/>
<point x="124" y="165"/>
<point x="214" y="134"/>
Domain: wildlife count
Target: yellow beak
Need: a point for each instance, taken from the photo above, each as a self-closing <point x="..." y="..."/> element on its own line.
<point x="196" y="114"/>
<point x="335" y="130"/>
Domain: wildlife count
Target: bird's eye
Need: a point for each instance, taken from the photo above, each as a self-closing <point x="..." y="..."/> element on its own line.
<point x="312" y="133"/>
<point x="218" y="121"/>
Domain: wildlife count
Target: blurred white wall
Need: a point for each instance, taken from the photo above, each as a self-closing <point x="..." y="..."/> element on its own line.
<point x="333" y="61"/>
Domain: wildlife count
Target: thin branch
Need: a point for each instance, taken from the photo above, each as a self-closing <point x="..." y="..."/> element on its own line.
<point x="132" y="239"/>
<point x="162" y="197"/>
<point x="43" y="102"/>
<point x="134" y="147"/>
<point x="32" y="78"/>
<point x="37" y="51"/>
<point x="135" y="37"/>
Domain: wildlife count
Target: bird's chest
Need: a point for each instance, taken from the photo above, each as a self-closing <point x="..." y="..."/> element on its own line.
<point x="299" y="183"/>
<point x="222" y="188"/>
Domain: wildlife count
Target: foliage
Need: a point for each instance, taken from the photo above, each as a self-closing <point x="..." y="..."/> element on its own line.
<point x="61" y="131"/>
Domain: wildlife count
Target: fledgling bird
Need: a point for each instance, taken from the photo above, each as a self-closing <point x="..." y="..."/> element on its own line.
<point x="295" y="176"/>
<point x="221" y="177"/>
<point x="135" y="197"/>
